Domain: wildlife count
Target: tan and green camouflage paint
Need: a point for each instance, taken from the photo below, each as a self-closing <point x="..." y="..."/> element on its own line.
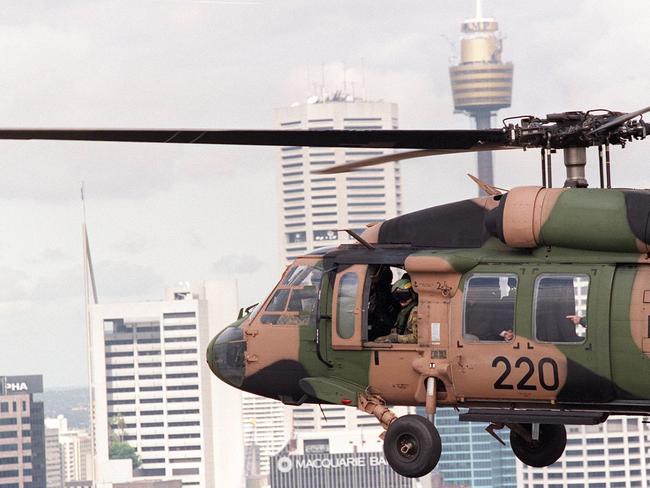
<point x="554" y="231"/>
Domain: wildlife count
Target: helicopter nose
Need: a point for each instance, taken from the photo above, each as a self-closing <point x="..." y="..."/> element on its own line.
<point x="225" y="355"/>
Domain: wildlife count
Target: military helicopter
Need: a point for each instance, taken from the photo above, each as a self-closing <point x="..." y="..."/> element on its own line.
<point x="533" y="305"/>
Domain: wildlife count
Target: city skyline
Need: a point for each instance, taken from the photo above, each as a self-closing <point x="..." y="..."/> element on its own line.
<point x="166" y="214"/>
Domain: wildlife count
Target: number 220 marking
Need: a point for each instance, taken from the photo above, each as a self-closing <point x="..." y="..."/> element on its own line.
<point x="528" y="366"/>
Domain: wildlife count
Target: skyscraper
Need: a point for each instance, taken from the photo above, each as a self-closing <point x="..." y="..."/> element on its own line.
<point x="22" y="432"/>
<point x="481" y="82"/>
<point x="154" y="393"/>
<point x="615" y="454"/>
<point x="75" y="450"/>
<point x="53" y="459"/>
<point x="471" y="457"/>
<point x="266" y="425"/>
<point x="315" y="207"/>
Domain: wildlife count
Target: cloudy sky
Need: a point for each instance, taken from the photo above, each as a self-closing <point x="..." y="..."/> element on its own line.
<point x="159" y="215"/>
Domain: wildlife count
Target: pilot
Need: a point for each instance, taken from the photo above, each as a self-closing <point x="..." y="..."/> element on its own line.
<point x="382" y="309"/>
<point x="405" y="330"/>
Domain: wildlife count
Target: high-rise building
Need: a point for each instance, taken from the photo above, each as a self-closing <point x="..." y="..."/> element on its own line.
<point x="75" y="450"/>
<point x="615" y="454"/>
<point x="471" y="457"/>
<point x="153" y="392"/>
<point x="53" y="459"/>
<point x="481" y="82"/>
<point x="315" y="207"/>
<point x="22" y="432"/>
<point x="266" y="426"/>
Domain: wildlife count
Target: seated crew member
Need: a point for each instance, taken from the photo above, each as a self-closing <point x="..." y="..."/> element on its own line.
<point x="382" y="309"/>
<point x="405" y="330"/>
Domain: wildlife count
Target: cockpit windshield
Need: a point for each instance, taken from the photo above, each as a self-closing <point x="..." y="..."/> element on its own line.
<point x="295" y="300"/>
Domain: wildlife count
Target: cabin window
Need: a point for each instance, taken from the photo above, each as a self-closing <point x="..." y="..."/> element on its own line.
<point x="560" y="308"/>
<point x="295" y="299"/>
<point x="489" y="309"/>
<point x="346" y="302"/>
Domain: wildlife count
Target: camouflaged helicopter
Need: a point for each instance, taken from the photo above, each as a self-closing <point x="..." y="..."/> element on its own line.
<point x="533" y="304"/>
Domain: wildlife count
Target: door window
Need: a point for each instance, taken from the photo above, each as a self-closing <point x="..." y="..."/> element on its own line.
<point x="560" y="308"/>
<point x="345" y="304"/>
<point x="489" y="310"/>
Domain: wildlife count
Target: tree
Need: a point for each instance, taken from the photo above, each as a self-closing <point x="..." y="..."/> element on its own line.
<point x="120" y="449"/>
<point x="123" y="450"/>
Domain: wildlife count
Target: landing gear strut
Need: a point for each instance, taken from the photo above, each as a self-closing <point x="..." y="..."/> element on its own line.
<point x="412" y="445"/>
<point x="538" y="450"/>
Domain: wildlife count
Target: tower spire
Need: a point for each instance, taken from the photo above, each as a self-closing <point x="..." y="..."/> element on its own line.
<point x="481" y="82"/>
<point x="90" y="299"/>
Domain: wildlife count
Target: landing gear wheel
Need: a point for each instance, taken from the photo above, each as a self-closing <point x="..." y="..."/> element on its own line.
<point x="543" y="452"/>
<point x="412" y="446"/>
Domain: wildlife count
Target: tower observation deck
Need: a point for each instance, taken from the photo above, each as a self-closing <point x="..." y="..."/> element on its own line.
<point x="481" y="82"/>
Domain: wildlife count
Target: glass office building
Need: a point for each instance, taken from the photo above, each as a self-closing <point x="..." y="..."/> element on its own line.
<point x="470" y="456"/>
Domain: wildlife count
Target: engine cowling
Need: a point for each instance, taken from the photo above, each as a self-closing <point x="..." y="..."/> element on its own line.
<point x="578" y="218"/>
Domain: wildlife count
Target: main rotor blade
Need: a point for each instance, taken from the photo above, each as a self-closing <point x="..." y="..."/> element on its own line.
<point x="621" y="119"/>
<point x="401" y="139"/>
<point x="387" y="158"/>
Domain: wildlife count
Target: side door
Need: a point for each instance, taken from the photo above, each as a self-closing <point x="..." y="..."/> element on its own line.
<point x="348" y="312"/>
<point x="570" y="316"/>
<point x="486" y="331"/>
<point x="558" y="347"/>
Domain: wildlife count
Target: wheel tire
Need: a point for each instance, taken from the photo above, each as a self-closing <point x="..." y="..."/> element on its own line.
<point x="543" y="452"/>
<point x="412" y="446"/>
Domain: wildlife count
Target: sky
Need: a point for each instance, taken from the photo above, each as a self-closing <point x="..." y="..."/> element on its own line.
<point x="162" y="214"/>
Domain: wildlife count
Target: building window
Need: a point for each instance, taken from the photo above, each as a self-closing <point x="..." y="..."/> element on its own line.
<point x="185" y="471"/>
<point x="180" y="339"/>
<point x="183" y="399"/>
<point x="181" y="363"/>
<point x="181" y="327"/>
<point x="325" y="235"/>
<point x="184" y="424"/>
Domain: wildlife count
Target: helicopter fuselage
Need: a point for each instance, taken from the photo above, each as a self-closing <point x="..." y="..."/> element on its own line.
<point x="536" y="326"/>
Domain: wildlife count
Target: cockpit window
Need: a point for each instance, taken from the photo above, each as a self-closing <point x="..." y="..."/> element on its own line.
<point x="296" y="298"/>
<point x="279" y="301"/>
<point x="303" y="275"/>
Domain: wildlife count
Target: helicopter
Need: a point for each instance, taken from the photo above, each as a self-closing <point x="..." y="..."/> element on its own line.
<point x="533" y="304"/>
